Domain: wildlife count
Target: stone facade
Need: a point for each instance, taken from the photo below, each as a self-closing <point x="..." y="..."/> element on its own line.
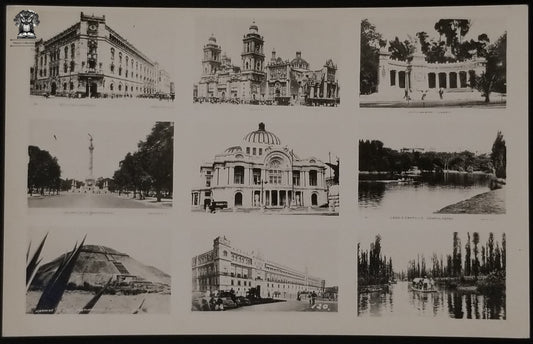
<point x="398" y="77"/>
<point x="89" y="59"/>
<point x="261" y="172"/>
<point x="281" y="81"/>
<point x="225" y="267"/>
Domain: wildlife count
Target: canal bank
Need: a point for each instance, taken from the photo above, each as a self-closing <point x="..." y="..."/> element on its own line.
<point x="491" y="202"/>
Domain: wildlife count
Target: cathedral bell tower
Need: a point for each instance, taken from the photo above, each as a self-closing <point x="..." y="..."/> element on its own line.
<point x="211" y="61"/>
<point x="252" y="52"/>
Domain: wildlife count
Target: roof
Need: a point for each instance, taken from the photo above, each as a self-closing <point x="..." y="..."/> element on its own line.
<point x="261" y="135"/>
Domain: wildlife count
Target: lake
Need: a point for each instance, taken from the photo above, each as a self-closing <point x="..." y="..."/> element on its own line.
<point x="445" y="303"/>
<point x="430" y="192"/>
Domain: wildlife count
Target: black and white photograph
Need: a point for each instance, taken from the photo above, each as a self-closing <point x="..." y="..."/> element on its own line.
<point x="440" y="275"/>
<point x="97" y="270"/>
<point x="433" y="62"/>
<point x="104" y="54"/>
<point x="258" y="271"/>
<point x="432" y="169"/>
<point x="266" y="61"/>
<point x="261" y="173"/>
<point x="100" y="164"/>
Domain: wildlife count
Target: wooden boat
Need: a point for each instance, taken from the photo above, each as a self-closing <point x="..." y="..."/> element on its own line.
<point x="431" y="290"/>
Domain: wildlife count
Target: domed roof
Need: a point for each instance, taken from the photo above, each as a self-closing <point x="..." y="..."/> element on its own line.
<point x="253" y="28"/>
<point x="299" y="61"/>
<point x="212" y="39"/>
<point x="234" y="149"/>
<point x="262" y="136"/>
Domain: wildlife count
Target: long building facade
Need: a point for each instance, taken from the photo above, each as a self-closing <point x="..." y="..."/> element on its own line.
<point x="260" y="172"/>
<point x="281" y="81"/>
<point x="225" y="267"/>
<point x="89" y="59"/>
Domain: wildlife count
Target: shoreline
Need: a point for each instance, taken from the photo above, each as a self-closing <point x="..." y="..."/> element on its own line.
<point x="490" y="202"/>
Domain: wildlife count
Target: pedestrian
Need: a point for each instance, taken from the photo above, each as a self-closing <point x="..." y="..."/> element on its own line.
<point x="441" y="92"/>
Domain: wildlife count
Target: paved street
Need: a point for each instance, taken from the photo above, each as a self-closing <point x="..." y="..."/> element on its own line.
<point x="82" y="200"/>
<point x="291" y="305"/>
<point x="432" y="103"/>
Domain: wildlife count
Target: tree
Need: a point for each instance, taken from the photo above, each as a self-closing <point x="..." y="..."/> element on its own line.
<point x="467" y="265"/>
<point x="475" y="264"/>
<point x="499" y="156"/>
<point x="401" y="50"/>
<point x="43" y="171"/>
<point x="156" y="156"/>
<point x="494" y="78"/>
<point x="370" y="44"/>
<point x="453" y="30"/>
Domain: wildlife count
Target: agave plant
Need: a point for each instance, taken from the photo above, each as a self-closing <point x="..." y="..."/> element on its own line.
<point x="53" y="292"/>
<point x="89" y="306"/>
<point x="31" y="265"/>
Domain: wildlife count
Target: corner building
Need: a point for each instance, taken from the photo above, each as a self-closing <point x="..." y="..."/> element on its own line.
<point x="261" y="172"/>
<point x="89" y="59"/>
<point x="225" y="267"/>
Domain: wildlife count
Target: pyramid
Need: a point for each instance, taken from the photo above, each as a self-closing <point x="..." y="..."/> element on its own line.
<point x="97" y="264"/>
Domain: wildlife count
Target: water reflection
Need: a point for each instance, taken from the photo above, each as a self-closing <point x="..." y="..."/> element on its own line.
<point x="445" y="303"/>
<point x="428" y="193"/>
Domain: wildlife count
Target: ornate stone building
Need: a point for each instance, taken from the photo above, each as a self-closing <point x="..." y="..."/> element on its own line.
<point x="396" y="77"/>
<point x="89" y="59"/>
<point x="278" y="81"/>
<point x="225" y="267"/>
<point x="261" y="172"/>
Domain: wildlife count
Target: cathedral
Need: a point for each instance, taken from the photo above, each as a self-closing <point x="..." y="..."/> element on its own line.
<point x="256" y="81"/>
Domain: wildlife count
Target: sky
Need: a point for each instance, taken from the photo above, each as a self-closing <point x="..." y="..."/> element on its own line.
<point x="112" y="140"/>
<point x="404" y="27"/>
<point x="314" y="38"/>
<point x="141" y="27"/>
<point x="423" y="241"/>
<point x="149" y="247"/>
<point x="295" y="248"/>
<point x="445" y="136"/>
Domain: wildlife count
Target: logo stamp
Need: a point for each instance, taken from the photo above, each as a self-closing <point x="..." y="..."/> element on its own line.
<point x="26" y="21"/>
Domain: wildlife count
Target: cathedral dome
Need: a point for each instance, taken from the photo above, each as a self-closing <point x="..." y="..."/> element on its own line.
<point x="299" y="62"/>
<point x="262" y="136"/>
<point x="212" y="39"/>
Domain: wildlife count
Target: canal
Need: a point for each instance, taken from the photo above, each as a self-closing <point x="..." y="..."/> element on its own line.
<point x="444" y="303"/>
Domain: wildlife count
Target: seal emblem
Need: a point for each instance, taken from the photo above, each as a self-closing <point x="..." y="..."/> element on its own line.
<point x="26" y="20"/>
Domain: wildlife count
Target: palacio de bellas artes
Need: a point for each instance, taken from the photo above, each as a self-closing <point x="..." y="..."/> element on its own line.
<point x="261" y="175"/>
<point x="91" y="60"/>
<point x="446" y="62"/>
<point x="261" y="80"/>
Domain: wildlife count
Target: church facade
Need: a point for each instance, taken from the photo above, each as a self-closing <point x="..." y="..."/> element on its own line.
<point x="226" y="267"/>
<point x="89" y="59"/>
<point x="261" y="172"/>
<point x="255" y="80"/>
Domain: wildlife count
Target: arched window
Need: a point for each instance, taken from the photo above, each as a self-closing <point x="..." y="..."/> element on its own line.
<point x="127" y="59"/>
<point x="72" y="48"/>
<point x="120" y="70"/>
<point x="111" y="86"/>
<point x="120" y="87"/>
<point x="314" y="199"/>
<point x="66" y="52"/>
<point x="72" y="66"/>
<point x="120" y="57"/>
<point x="238" y="199"/>
<point x="112" y="53"/>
